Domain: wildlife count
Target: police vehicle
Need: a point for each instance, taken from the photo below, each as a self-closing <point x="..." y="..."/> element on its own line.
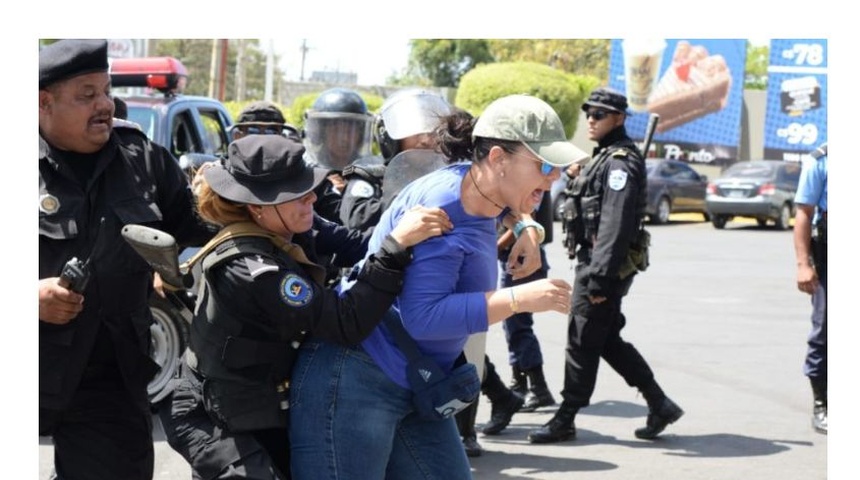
<point x="186" y="125"/>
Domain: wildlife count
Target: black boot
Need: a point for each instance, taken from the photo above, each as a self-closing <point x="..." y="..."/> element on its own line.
<point x="819" y="404"/>
<point x="539" y="394"/>
<point x="505" y="402"/>
<point x="658" y="418"/>
<point x="466" y="426"/>
<point x="519" y="382"/>
<point x="559" y="428"/>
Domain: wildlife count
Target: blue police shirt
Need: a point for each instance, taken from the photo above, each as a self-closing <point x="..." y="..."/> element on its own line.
<point x="812" y="187"/>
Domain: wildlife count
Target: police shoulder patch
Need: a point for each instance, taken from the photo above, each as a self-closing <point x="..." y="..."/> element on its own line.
<point x="360" y="189"/>
<point x="617" y="179"/>
<point x="295" y="290"/>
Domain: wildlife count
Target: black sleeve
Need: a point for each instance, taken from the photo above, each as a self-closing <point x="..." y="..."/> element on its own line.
<point x="175" y="199"/>
<point x="328" y="201"/>
<point x="284" y="292"/>
<point x="618" y="222"/>
<point x="361" y="204"/>
<point x="348" y="246"/>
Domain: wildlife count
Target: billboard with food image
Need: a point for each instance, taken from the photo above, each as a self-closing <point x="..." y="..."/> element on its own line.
<point x="796" y="116"/>
<point x="695" y="85"/>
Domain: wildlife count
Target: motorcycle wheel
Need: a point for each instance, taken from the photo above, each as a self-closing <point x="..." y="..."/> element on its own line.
<point x="169" y="333"/>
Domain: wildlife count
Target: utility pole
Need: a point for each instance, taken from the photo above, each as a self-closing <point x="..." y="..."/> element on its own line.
<point x="270" y="68"/>
<point x="304" y="49"/>
<point x="213" y="68"/>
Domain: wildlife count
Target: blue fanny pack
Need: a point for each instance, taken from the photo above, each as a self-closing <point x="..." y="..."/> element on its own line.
<point x="436" y="396"/>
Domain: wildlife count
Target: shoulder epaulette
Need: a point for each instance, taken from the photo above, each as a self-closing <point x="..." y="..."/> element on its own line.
<point x="620" y="153"/>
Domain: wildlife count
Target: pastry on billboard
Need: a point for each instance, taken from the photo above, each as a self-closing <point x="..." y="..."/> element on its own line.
<point x="694" y="85"/>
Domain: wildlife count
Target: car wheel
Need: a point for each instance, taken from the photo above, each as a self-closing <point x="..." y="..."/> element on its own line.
<point x="719" y="221"/>
<point x="169" y="333"/>
<point x="784" y="219"/>
<point x="662" y="212"/>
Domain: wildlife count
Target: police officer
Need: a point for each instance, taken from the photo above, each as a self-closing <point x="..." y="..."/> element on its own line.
<point x="94" y="333"/>
<point x="262" y="118"/>
<point x="337" y="134"/>
<point x="262" y="293"/>
<point x="609" y="196"/>
<point x="810" y="247"/>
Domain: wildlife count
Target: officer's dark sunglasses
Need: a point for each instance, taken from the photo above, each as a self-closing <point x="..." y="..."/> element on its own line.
<point x="259" y="130"/>
<point x="597" y="115"/>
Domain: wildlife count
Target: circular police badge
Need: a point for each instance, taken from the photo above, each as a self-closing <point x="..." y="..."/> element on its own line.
<point x="295" y="291"/>
<point x="48" y="204"/>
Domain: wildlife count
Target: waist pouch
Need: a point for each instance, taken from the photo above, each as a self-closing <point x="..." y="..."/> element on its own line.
<point x="637" y="259"/>
<point x="436" y="396"/>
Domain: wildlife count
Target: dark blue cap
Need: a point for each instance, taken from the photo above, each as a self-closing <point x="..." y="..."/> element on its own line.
<point x="69" y="58"/>
<point x="605" y="97"/>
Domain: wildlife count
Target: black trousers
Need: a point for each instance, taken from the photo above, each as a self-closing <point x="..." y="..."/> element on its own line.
<point x="213" y="451"/>
<point x="103" y="434"/>
<point x="594" y="332"/>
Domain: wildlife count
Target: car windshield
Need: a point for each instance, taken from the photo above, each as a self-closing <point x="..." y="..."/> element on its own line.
<point x="144" y="117"/>
<point x="750" y="170"/>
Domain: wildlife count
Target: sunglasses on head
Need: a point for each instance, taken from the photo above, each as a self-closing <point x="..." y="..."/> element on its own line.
<point x="598" y="115"/>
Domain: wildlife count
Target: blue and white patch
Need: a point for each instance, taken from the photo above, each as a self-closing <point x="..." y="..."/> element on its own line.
<point x="617" y="179"/>
<point x="295" y="291"/>
<point x="360" y="189"/>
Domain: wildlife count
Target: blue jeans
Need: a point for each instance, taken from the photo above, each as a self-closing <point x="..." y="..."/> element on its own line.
<point x="348" y="420"/>
<point x="523" y="346"/>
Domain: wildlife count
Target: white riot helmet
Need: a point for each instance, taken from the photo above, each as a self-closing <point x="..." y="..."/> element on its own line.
<point x="406" y="113"/>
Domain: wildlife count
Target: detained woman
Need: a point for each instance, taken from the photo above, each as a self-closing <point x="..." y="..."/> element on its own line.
<point x="352" y="410"/>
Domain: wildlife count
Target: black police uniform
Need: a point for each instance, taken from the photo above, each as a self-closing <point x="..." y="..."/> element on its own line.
<point x="609" y="196"/>
<point x="94" y="370"/>
<point x="229" y="415"/>
<point x="361" y="204"/>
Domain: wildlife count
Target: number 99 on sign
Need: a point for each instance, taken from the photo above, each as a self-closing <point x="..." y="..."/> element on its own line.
<point x="794" y="133"/>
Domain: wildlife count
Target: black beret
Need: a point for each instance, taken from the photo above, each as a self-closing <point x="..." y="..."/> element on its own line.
<point x="70" y="58"/>
<point x="607" y="98"/>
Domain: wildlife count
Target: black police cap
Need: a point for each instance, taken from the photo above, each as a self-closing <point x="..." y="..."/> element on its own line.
<point x="69" y="58"/>
<point x="605" y="97"/>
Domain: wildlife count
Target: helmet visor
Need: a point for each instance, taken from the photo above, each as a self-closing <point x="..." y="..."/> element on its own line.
<point x="334" y="139"/>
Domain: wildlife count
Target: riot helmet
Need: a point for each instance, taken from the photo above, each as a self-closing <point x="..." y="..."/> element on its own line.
<point x="406" y="113"/>
<point x="337" y="129"/>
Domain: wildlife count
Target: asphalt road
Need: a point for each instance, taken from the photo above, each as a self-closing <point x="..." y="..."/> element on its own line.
<point x="719" y="319"/>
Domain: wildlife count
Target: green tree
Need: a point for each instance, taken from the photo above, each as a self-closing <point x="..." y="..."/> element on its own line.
<point x="755" y="71"/>
<point x="577" y="56"/>
<point x="443" y="61"/>
<point x="565" y="92"/>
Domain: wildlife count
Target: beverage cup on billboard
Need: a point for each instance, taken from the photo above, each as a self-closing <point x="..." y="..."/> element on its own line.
<point x="642" y="59"/>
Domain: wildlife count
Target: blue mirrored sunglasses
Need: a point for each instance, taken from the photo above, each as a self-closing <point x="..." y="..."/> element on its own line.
<point x="545" y="168"/>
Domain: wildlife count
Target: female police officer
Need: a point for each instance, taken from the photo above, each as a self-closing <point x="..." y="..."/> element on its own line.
<point x="261" y="294"/>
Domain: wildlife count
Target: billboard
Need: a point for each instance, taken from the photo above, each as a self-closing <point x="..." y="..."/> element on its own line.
<point x="796" y="114"/>
<point x="695" y="85"/>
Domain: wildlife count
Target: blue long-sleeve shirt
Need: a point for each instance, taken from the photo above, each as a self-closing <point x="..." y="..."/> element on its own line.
<point x="443" y="297"/>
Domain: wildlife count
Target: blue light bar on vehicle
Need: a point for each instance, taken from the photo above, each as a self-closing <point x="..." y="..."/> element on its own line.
<point x="165" y="74"/>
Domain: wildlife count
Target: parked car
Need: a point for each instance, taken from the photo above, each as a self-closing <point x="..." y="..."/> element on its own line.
<point x="762" y="189"/>
<point x="193" y="129"/>
<point x="674" y="187"/>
